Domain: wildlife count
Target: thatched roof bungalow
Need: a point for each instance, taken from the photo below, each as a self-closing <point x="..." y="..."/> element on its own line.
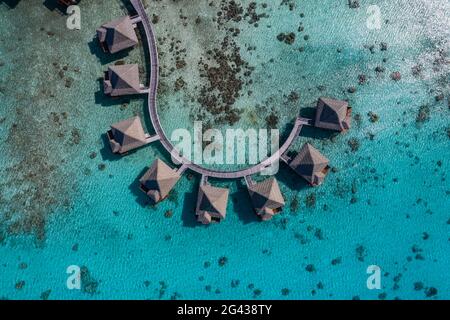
<point x="122" y="80"/>
<point x="127" y="135"/>
<point x="266" y="198"/>
<point x="117" y="35"/>
<point x="310" y="164"/>
<point x="333" y="114"/>
<point x="68" y="3"/>
<point x="159" y="180"/>
<point x="211" y="204"/>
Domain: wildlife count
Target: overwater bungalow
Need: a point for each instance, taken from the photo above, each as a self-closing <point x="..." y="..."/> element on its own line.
<point x="159" y="180"/>
<point x="211" y="203"/>
<point x="128" y="135"/>
<point x="266" y="198"/>
<point x="333" y="114"/>
<point x="117" y="35"/>
<point x="310" y="164"/>
<point x="68" y="3"/>
<point x="123" y="80"/>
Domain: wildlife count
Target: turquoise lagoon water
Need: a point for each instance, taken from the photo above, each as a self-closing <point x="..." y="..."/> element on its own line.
<point x="387" y="202"/>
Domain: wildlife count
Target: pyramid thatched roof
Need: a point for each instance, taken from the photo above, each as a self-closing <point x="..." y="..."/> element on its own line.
<point x="122" y="80"/>
<point x="266" y="195"/>
<point x="212" y="201"/>
<point x="127" y="135"/>
<point x="332" y="114"/>
<point x="159" y="180"/>
<point x="118" y="34"/>
<point x="309" y="163"/>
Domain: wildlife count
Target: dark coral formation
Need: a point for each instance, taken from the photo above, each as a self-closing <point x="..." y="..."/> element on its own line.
<point x="88" y="283"/>
<point x="224" y="73"/>
<point x="36" y="179"/>
<point x="224" y="81"/>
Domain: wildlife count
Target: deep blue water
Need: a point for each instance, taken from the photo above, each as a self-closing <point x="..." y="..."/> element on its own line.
<point x="387" y="202"/>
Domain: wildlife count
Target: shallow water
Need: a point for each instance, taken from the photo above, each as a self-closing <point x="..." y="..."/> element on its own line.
<point x="386" y="204"/>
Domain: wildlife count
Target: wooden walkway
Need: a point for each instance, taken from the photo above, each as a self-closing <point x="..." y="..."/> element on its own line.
<point x="167" y="144"/>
